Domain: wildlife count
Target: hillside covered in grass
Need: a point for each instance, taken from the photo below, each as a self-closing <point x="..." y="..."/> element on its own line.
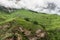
<point x="29" y="20"/>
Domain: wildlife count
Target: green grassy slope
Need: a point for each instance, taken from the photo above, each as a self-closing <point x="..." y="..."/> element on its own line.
<point x="33" y="21"/>
<point x="49" y="21"/>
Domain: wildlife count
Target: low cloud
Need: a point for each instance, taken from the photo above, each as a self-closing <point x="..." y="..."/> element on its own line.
<point x="35" y="5"/>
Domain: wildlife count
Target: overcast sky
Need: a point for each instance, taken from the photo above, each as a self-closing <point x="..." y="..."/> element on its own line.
<point x="35" y="5"/>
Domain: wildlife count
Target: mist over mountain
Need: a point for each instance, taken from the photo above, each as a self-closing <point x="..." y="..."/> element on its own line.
<point x="46" y="6"/>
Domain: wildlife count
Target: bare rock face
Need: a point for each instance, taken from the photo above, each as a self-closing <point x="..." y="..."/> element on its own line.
<point x="40" y="33"/>
<point x="19" y="37"/>
<point x="32" y="38"/>
<point x="9" y="38"/>
<point x="27" y="32"/>
<point x="21" y="29"/>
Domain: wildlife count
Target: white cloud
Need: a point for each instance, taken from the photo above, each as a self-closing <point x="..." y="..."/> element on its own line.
<point x="35" y="5"/>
